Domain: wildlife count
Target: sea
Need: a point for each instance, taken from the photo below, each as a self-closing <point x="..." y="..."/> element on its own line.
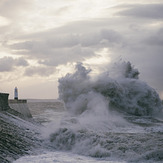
<point x="101" y="119"/>
<point x="49" y="114"/>
<point x="132" y="139"/>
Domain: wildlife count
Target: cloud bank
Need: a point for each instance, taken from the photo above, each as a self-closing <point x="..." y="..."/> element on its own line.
<point x="47" y="38"/>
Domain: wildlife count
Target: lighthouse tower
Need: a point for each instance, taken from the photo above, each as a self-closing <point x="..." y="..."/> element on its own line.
<point x="16" y="93"/>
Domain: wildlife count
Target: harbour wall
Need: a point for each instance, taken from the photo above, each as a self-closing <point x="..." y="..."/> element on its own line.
<point x="20" y="106"/>
<point x="4" y="101"/>
<point x="18" y="134"/>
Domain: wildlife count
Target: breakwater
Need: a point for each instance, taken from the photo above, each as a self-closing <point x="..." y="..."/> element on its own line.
<point x="20" y="106"/>
<point x="18" y="134"/>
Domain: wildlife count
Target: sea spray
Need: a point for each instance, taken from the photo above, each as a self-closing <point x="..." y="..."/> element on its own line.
<point x="95" y="125"/>
<point x="124" y="92"/>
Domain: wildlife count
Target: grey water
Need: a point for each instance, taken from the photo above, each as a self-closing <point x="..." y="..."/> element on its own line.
<point x="112" y="117"/>
<point x="134" y="139"/>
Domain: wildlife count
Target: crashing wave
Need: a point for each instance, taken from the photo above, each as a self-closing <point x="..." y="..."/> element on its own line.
<point x="125" y="92"/>
<point x="122" y="146"/>
<point x="93" y="125"/>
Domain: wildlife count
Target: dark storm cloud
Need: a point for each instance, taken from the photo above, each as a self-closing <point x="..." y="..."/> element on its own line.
<point x="129" y="33"/>
<point x="65" y="55"/>
<point x="61" y="48"/>
<point x="21" y="62"/>
<point x="8" y="63"/>
<point x="54" y="40"/>
<point x="156" y="39"/>
<point x="45" y="51"/>
<point x="151" y="11"/>
<point x="145" y="50"/>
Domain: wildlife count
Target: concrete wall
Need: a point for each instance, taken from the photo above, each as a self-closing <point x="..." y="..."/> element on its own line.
<point x="17" y="134"/>
<point x="22" y="101"/>
<point x="4" y="101"/>
<point x="20" y="106"/>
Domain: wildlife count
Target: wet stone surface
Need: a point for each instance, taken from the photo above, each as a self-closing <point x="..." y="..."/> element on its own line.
<point x="18" y="136"/>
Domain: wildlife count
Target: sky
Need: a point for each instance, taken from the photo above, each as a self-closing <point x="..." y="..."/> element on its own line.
<point x="41" y="40"/>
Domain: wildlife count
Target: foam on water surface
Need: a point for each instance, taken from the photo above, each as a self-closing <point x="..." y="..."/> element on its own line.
<point x="108" y="117"/>
<point x="61" y="157"/>
<point x="97" y="122"/>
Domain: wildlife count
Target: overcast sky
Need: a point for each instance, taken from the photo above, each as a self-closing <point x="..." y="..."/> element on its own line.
<point x="40" y="40"/>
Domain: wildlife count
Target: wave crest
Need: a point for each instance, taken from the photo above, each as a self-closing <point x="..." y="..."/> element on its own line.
<point x="124" y="92"/>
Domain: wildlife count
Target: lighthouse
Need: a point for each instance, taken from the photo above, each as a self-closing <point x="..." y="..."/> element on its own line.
<point x="20" y="105"/>
<point x="16" y="93"/>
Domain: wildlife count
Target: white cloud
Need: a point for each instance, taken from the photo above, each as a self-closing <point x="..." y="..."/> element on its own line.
<point x="4" y="21"/>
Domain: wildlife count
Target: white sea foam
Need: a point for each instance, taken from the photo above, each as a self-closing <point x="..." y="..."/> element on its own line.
<point x="111" y="117"/>
<point x="61" y="157"/>
<point x="123" y="91"/>
<point x="95" y="125"/>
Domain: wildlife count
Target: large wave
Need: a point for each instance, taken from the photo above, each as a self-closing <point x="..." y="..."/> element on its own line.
<point x="96" y="105"/>
<point x="124" y="92"/>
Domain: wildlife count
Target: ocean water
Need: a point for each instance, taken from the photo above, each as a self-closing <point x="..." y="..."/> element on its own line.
<point x="49" y="113"/>
<point x="139" y="139"/>
<point x="111" y="117"/>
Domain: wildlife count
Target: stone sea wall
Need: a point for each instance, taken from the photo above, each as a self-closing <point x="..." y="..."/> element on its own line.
<point x="4" y="101"/>
<point x="20" y="106"/>
<point x="19" y="135"/>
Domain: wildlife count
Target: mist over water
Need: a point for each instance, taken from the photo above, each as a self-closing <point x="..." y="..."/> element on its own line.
<point x="108" y="117"/>
<point x="121" y="90"/>
<point x="102" y="113"/>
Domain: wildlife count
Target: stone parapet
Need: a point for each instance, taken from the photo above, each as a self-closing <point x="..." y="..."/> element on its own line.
<point x="4" y="101"/>
<point x="20" y="106"/>
<point x="17" y="101"/>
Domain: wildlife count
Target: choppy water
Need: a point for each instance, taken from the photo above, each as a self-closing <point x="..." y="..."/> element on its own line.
<point x="107" y="118"/>
<point x="139" y="139"/>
